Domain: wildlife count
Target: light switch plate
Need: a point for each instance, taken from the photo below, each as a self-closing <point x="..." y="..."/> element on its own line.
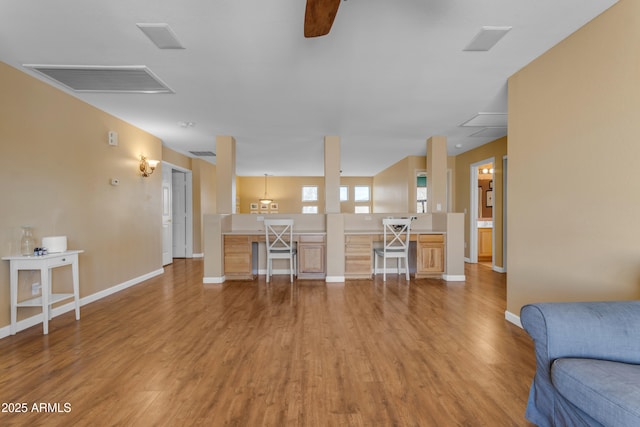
<point x="113" y="138"/>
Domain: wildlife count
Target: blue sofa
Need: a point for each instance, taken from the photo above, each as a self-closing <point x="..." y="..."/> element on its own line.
<point x="587" y="363"/>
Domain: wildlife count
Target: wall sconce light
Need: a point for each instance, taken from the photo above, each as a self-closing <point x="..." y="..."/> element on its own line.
<point x="147" y="166"/>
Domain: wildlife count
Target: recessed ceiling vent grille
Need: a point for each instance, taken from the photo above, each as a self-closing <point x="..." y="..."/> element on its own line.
<point x="203" y="153"/>
<point x="491" y="132"/>
<point x="89" y="78"/>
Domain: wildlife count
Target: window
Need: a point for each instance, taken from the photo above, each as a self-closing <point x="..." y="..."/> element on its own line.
<point x="421" y="193"/>
<point x="361" y="193"/>
<point x="311" y="209"/>
<point x="344" y="193"/>
<point x="310" y="193"/>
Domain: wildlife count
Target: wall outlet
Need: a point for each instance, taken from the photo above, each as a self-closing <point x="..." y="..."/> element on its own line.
<point x="35" y="288"/>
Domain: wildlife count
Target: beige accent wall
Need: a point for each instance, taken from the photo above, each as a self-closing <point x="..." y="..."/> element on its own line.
<point x="496" y="149"/>
<point x="574" y="192"/>
<point x="55" y="171"/>
<point x="175" y="158"/>
<point x="204" y="199"/>
<point x="394" y="188"/>
<point x="436" y="174"/>
<point x="332" y="174"/>
<point x="286" y="191"/>
<point x="226" y="181"/>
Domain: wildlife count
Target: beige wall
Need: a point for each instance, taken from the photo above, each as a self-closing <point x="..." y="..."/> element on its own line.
<point x="451" y="168"/>
<point x="496" y="149"/>
<point x="573" y="199"/>
<point x="55" y="171"/>
<point x="394" y="188"/>
<point x="287" y="191"/>
<point x="204" y="199"/>
<point x="175" y="158"/>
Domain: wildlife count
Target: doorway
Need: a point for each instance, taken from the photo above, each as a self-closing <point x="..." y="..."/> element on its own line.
<point x="177" y="215"/>
<point x="505" y="176"/>
<point x="482" y="212"/>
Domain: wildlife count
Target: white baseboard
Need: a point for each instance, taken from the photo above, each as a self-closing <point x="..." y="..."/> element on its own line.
<point x="56" y="311"/>
<point x="454" y="277"/>
<point x="198" y="255"/>
<point x="512" y="318"/>
<point x="213" y="280"/>
<point x="334" y="279"/>
<point x="499" y="269"/>
<point x="467" y="260"/>
<point x="112" y="290"/>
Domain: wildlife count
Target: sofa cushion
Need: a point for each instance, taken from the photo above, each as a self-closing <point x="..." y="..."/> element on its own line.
<point x="607" y="391"/>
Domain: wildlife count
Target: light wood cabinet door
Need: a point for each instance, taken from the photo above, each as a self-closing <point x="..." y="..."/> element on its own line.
<point x="238" y="257"/>
<point x="430" y="254"/>
<point x="485" y="244"/>
<point x="311" y="257"/>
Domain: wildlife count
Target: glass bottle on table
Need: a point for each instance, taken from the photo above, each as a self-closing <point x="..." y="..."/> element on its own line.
<point x="27" y="243"/>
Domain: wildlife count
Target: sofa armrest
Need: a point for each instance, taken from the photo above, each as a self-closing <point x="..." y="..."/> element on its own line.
<point x="597" y="330"/>
<point x="594" y="330"/>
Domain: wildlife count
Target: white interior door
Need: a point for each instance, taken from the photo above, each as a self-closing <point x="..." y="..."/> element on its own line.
<point x="179" y="210"/>
<point x="167" y="229"/>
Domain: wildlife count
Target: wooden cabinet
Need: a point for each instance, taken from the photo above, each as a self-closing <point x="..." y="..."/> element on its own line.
<point x="485" y="249"/>
<point x="430" y="254"/>
<point x="238" y="260"/>
<point x="357" y="256"/>
<point x="311" y="256"/>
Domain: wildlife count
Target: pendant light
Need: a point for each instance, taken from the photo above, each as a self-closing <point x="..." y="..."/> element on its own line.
<point x="266" y="199"/>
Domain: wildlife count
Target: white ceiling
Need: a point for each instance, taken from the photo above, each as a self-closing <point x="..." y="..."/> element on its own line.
<point x="390" y="74"/>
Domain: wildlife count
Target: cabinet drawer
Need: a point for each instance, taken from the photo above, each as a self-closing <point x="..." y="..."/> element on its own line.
<point x="358" y="239"/>
<point x="352" y="249"/>
<point x="357" y="265"/>
<point x="311" y="238"/>
<point x="237" y="263"/>
<point x="431" y="238"/>
<point x="236" y="244"/>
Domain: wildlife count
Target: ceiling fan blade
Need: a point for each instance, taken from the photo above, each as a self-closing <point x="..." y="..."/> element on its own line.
<point x="319" y="16"/>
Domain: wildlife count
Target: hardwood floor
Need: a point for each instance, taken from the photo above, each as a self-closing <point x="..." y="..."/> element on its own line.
<point x="172" y="351"/>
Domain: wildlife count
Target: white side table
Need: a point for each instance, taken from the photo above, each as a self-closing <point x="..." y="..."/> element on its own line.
<point x="45" y="264"/>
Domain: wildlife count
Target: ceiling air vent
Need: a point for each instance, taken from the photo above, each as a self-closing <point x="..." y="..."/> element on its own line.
<point x="491" y="132"/>
<point x="90" y="78"/>
<point x="203" y="153"/>
<point x="487" y="38"/>
<point x="487" y="120"/>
